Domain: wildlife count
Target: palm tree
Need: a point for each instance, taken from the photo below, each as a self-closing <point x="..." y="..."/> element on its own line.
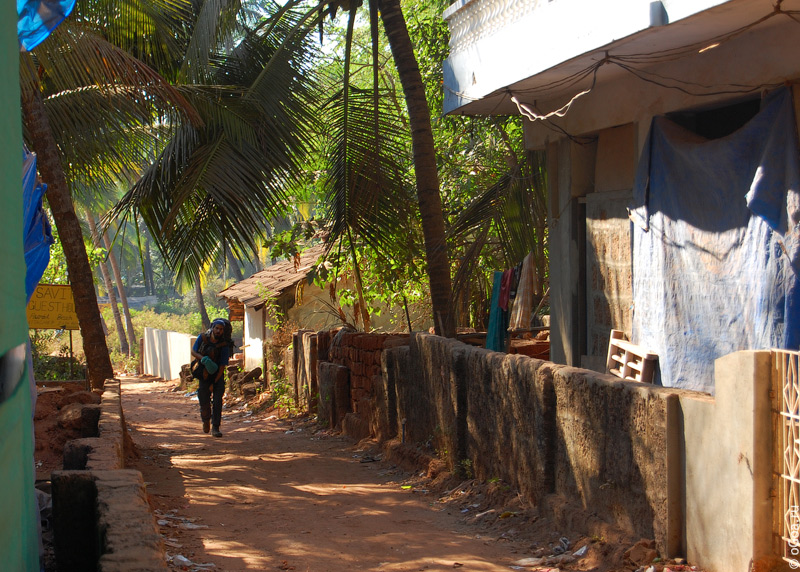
<point x="212" y="188"/>
<point x="123" y="297"/>
<point x="428" y="195"/>
<point x="112" y="297"/>
<point x="513" y="210"/>
<point x="95" y="114"/>
<point x="365" y="192"/>
<point x="79" y="92"/>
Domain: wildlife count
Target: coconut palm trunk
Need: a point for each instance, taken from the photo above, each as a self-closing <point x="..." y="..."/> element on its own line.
<point x="149" y="281"/>
<point x="428" y="197"/>
<point x="112" y="297"/>
<point x="126" y="311"/>
<point x="69" y="230"/>
<point x="201" y="305"/>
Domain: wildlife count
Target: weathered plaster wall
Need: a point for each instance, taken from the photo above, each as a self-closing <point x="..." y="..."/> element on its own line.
<point x="571" y="176"/>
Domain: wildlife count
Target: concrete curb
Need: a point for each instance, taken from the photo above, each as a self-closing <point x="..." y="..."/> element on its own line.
<point x="101" y="517"/>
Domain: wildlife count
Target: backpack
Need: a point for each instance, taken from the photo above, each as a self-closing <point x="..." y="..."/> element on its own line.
<point x="207" y="348"/>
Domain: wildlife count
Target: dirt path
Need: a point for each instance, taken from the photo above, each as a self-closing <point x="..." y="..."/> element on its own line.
<point x="271" y="495"/>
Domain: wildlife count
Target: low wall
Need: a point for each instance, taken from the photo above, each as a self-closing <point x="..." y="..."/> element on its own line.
<point x="164" y="352"/>
<point x="689" y="470"/>
<point x="101" y="516"/>
<point x="106" y="451"/>
<point x="593" y="441"/>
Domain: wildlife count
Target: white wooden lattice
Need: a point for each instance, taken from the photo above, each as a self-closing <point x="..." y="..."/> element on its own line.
<point x="787" y="366"/>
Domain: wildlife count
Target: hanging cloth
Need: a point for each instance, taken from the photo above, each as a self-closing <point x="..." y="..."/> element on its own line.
<point x="37" y="234"/>
<point x="505" y="289"/>
<point x="498" y="318"/>
<point x="716" y="243"/>
<point x="37" y="18"/>
<point x="523" y="303"/>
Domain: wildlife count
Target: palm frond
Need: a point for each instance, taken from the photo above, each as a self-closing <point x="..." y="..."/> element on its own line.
<point x="75" y="57"/>
<point x="515" y="208"/>
<point x="214" y="26"/>
<point x="366" y="187"/>
<point x="221" y="184"/>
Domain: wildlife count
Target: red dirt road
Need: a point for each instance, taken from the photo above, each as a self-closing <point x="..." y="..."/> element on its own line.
<point x="278" y="496"/>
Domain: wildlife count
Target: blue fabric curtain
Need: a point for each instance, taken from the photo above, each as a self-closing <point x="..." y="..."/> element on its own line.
<point x="716" y="243"/>
<point x="38" y="235"/>
<point x="37" y="18"/>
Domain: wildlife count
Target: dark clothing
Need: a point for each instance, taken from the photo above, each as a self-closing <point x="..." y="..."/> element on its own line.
<point x="220" y="353"/>
<point x="211" y="408"/>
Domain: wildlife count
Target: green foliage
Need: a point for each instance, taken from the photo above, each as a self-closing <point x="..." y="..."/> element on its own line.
<point x="465" y="469"/>
<point x="49" y="367"/>
<point x="282" y="398"/>
<point x="288" y="243"/>
<point x="56" y="271"/>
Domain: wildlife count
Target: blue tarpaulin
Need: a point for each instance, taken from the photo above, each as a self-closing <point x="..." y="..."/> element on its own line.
<point x="37" y="18"/>
<point x="37" y="233"/>
<point x="715" y="243"/>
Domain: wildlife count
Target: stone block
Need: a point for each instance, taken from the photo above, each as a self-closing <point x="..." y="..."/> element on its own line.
<point x="355" y="427"/>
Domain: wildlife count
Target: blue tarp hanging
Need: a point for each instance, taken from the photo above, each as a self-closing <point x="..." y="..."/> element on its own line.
<point x="716" y="243"/>
<point x="37" y="18"/>
<point x="37" y="233"/>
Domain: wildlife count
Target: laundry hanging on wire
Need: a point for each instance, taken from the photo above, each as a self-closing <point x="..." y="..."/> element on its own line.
<point x="511" y="303"/>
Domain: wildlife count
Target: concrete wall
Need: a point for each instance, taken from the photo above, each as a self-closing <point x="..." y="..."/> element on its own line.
<point x="546" y="33"/>
<point x="102" y="519"/>
<point x="728" y="471"/>
<point x="164" y="352"/>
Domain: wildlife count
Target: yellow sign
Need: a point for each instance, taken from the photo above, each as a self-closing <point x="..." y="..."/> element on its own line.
<point x="52" y="308"/>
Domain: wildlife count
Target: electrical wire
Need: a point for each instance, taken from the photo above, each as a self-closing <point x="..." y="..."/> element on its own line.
<point x="532" y="115"/>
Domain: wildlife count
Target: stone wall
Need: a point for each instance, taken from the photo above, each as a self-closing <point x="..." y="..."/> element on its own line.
<point x="591" y="451"/>
<point x="361" y="354"/>
<point x="546" y="429"/>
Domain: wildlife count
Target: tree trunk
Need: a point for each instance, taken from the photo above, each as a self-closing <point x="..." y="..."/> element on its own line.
<point x="198" y="292"/>
<point x="69" y="230"/>
<point x="234" y="265"/>
<point x="122" y="296"/>
<point x="149" y="281"/>
<point x="112" y="298"/>
<point x="430" y="202"/>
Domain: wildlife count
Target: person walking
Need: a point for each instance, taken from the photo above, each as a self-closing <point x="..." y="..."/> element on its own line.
<point x="212" y="351"/>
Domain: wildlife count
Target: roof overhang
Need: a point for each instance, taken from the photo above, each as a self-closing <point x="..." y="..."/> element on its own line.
<point x="270" y="283"/>
<point x="545" y="55"/>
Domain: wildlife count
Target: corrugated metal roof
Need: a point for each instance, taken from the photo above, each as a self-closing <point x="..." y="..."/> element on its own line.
<point x="274" y="279"/>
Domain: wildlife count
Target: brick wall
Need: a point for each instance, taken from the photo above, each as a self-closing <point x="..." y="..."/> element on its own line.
<point x="361" y="354"/>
